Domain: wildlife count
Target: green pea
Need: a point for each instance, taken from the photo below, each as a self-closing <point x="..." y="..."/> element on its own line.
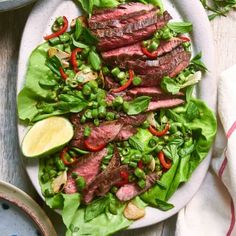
<point x="146" y="159"/>
<point x="87" y="131"/>
<point x="95" y="113"/>
<point x="140" y="173"/>
<point x="115" y="71"/>
<point x="137" y="81"/>
<point x="133" y="164"/>
<point x="153" y="46"/>
<point x="142" y="183"/>
<point x="45" y="178"/>
<point x="105" y="70"/>
<point x="48" y="192"/>
<point x="96" y="122"/>
<point x="64" y="37"/>
<point x="54" y="41"/>
<point x="102" y="111"/>
<point x="88" y="114"/>
<point x="80" y="183"/>
<point x="83" y="119"/>
<point x="110" y="116"/>
<point x="60" y="165"/>
<point x="121" y="75"/>
<point x="86" y="90"/>
<point x="117" y="101"/>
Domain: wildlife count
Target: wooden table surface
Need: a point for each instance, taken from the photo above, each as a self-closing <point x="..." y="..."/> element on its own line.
<point x="11" y="169"/>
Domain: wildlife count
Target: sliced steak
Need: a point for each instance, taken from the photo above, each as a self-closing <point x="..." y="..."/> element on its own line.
<point x="154" y="92"/>
<point x="129" y="191"/>
<point x="133" y="120"/>
<point x="111" y="17"/>
<point x="167" y="103"/>
<point x="105" y="180"/>
<point x="104" y="133"/>
<point x="120" y="56"/>
<point x="131" y="32"/>
<point x="87" y="167"/>
<point x="126" y="132"/>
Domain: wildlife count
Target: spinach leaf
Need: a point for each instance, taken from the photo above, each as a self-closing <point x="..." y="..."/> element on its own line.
<point x="169" y="85"/>
<point x="192" y="111"/>
<point x="96" y="208"/>
<point x="78" y="44"/>
<point x="138" y="105"/>
<point x="180" y="27"/>
<point x="86" y="5"/>
<point x="78" y="29"/>
<point x="163" y="205"/>
<point x="197" y="63"/>
<point x="94" y="60"/>
<point x="88" y="37"/>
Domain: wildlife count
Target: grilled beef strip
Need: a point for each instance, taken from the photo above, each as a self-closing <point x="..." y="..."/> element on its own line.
<point x="120" y="56"/>
<point x="88" y="167"/>
<point x="131" y="31"/>
<point x="166" y="103"/>
<point x="111" y="17"/>
<point x="131" y="190"/>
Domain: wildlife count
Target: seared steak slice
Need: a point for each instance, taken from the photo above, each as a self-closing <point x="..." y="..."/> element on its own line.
<point x="133" y="120"/>
<point x="104" y="133"/>
<point x="131" y="32"/>
<point x="120" y="56"/>
<point x="105" y="180"/>
<point x="126" y="132"/>
<point x="87" y="167"/>
<point x="167" y="103"/>
<point x="111" y="17"/>
<point x="129" y="191"/>
<point x="154" y="92"/>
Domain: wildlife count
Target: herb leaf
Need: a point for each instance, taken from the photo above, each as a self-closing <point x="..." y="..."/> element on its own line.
<point x="138" y="105"/>
<point x="180" y="27"/>
<point x="169" y="85"/>
<point x="95" y="60"/>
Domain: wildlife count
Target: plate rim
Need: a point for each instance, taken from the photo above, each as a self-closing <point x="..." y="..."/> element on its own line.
<point x="203" y="28"/>
<point x="8" y="5"/>
<point x="28" y="205"/>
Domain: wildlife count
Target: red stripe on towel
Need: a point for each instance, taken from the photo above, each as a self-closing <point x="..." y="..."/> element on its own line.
<point x="220" y="173"/>
<point x="232" y="223"/>
<point x="231" y="130"/>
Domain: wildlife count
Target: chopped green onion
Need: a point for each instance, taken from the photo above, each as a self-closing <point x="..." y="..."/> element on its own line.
<point x="152" y="142"/>
<point x="136" y="157"/>
<point x="105" y="70"/>
<point x="87" y="131"/>
<point x="86" y="90"/>
<point x="125" y="151"/>
<point x="115" y="71"/>
<point x="88" y="114"/>
<point x="83" y="119"/>
<point x="153" y="46"/>
<point x="133" y="164"/>
<point x="121" y="75"/>
<point x="94" y="113"/>
<point x="110" y="116"/>
<point x="54" y="41"/>
<point x="96" y="122"/>
<point x="140" y="173"/>
<point x="102" y="111"/>
<point x="117" y="101"/>
<point x="80" y="183"/>
<point x="146" y="159"/>
<point x="142" y="183"/>
<point x="79" y="151"/>
<point x="137" y="81"/>
<point x="64" y="37"/>
<point x="60" y="165"/>
<point x="45" y="178"/>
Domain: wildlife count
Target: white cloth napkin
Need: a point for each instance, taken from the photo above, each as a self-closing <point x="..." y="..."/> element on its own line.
<point x="211" y="212"/>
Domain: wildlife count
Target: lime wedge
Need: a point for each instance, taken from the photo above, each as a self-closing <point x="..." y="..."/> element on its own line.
<point x="46" y="137"/>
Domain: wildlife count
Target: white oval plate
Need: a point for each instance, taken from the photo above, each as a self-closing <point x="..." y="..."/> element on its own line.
<point x="38" y="25"/>
<point x="6" y="5"/>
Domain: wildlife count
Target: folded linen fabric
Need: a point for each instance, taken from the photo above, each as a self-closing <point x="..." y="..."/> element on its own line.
<point x="211" y="212"/>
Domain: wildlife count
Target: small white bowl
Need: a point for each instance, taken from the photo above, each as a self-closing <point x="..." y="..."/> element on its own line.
<point x="6" y="5"/>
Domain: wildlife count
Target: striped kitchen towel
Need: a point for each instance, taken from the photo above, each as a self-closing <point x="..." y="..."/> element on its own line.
<point x="211" y="212"/>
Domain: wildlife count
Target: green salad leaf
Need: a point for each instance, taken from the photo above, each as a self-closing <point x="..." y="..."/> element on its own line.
<point x="180" y="27"/>
<point x="138" y="105"/>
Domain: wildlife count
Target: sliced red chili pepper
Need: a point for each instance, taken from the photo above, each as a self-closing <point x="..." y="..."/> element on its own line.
<point x="126" y="85"/>
<point x="164" y="163"/>
<point x="59" y="32"/>
<point x="73" y="59"/>
<point x="93" y="148"/>
<point x="140" y="164"/>
<point x="159" y="133"/>
<point x="125" y="179"/>
<point x="184" y="38"/>
<point x="151" y="55"/>
<point x="64" y="159"/>
<point x="63" y="74"/>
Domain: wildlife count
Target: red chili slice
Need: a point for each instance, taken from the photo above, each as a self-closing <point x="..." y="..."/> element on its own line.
<point x="140" y="164"/>
<point x="93" y="148"/>
<point x="184" y="38"/>
<point x="126" y="85"/>
<point x="164" y="163"/>
<point x="151" y="55"/>
<point x="125" y="179"/>
<point x="159" y="133"/>
<point x="73" y="59"/>
<point x="63" y="74"/>
<point x="63" y="158"/>
<point x="60" y="31"/>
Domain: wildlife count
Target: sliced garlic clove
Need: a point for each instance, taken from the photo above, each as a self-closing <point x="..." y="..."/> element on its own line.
<point x="59" y="182"/>
<point x="132" y="212"/>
